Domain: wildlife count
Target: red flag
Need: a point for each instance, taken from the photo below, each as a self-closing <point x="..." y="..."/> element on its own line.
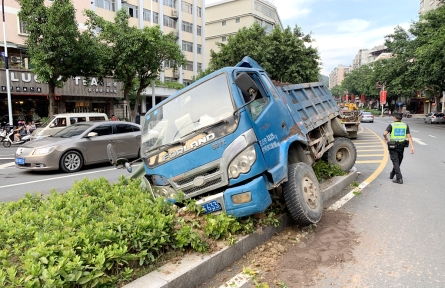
<point x="383" y="96"/>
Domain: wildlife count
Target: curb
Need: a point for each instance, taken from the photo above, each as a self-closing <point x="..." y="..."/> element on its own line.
<point x="196" y="268"/>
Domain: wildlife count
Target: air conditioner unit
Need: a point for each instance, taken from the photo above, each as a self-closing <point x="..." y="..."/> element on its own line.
<point x="177" y="33"/>
<point x="15" y="59"/>
<point x="174" y="13"/>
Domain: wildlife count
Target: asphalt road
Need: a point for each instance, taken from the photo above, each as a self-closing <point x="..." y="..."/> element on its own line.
<point x="15" y="182"/>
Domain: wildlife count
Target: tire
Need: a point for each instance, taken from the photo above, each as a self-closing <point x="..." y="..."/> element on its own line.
<point x="302" y="194"/>
<point x="6" y="143"/>
<point x="338" y="128"/>
<point x="71" y="161"/>
<point x="343" y="154"/>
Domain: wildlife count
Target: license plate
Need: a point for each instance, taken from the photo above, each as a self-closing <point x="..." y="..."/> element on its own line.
<point x="20" y="161"/>
<point x="211" y="206"/>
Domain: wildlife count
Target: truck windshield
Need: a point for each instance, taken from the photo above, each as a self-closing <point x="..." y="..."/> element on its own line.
<point x="208" y="103"/>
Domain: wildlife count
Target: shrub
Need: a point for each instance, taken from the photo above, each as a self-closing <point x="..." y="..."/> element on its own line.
<point x="323" y="170"/>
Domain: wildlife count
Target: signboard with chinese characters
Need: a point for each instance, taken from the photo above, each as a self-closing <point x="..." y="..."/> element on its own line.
<point x="383" y="97"/>
<point x="25" y="82"/>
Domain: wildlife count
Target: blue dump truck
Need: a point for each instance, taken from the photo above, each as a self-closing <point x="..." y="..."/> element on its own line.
<point x="234" y="140"/>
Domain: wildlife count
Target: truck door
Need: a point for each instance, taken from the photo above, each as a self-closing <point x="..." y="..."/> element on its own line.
<point x="268" y="121"/>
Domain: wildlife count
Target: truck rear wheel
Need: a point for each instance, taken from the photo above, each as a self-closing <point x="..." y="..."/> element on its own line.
<point x="343" y="154"/>
<point x="302" y="194"/>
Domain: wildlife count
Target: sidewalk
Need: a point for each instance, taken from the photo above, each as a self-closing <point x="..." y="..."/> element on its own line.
<point x="197" y="268"/>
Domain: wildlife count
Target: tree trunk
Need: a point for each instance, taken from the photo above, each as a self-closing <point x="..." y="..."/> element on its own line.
<point x="134" y="112"/>
<point x="51" y="88"/>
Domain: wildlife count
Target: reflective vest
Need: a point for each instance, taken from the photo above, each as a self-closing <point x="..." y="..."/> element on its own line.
<point x="398" y="132"/>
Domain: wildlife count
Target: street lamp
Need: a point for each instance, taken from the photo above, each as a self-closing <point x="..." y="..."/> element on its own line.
<point x="8" y="88"/>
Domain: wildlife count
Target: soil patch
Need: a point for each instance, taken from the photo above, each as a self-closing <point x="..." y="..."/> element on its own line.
<point x="293" y="256"/>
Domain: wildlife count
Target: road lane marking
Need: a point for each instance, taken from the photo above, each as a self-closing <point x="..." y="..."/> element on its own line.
<point x="337" y="205"/>
<point x="368" y="150"/>
<point x="6" y="165"/>
<point x="368" y="161"/>
<point x="370" y="155"/>
<point x="417" y="140"/>
<point x="55" y="178"/>
<point x="432" y="136"/>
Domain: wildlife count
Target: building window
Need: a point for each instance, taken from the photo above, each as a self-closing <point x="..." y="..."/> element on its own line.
<point x="131" y="10"/>
<point x="146" y="15"/>
<point x="237" y="20"/>
<point x="223" y="23"/>
<point x="170" y="3"/>
<point x="264" y="9"/>
<point x="198" y="11"/>
<point x="169" y="22"/>
<point x="106" y="4"/>
<point x="268" y="26"/>
<point x="156" y="17"/>
<point x="198" y="30"/>
<point x="198" y="48"/>
<point x="189" y="66"/>
<point x="186" y="82"/>
<point x="199" y="67"/>
<point x="187" y="46"/>
<point x="187" y="7"/>
<point x="23" y="27"/>
<point x="223" y="38"/>
<point x="187" y="27"/>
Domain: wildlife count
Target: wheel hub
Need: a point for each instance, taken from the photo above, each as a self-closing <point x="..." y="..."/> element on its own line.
<point x="310" y="193"/>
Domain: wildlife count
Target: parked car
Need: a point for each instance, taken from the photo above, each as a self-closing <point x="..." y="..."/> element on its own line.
<point x="434" y="117"/>
<point x="367" y="117"/>
<point x="80" y="144"/>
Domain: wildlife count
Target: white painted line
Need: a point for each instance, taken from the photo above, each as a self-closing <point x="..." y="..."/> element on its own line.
<point x="370" y="155"/>
<point x="236" y="281"/>
<point x="6" y="165"/>
<point x="417" y="140"/>
<point x="12" y="154"/>
<point x="413" y="130"/>
<point x="55" y="178"/>
<point x="432" y="136"/>
<point x="337" y="205"/>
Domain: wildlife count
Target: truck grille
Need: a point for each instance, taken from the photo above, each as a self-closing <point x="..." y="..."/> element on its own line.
<point x="212" y="177"/>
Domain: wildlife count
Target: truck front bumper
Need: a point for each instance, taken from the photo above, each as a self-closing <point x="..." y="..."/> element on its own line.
<point x="260" y="198"/>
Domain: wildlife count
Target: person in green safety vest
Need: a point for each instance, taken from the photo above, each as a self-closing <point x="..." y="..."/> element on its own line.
<point x="399" y="138"/>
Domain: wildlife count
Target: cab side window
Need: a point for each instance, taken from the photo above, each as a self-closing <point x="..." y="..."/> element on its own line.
<point x="103" y="130"/>
<point x="59" y="122"/>
<point x="261" y="100"/>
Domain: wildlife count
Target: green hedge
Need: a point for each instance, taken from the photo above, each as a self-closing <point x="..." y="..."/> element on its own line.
<point x="99" y="234"/>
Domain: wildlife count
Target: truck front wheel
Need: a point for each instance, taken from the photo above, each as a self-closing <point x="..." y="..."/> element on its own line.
<point x="302" y="194"/>
<point x="343" y="154"/>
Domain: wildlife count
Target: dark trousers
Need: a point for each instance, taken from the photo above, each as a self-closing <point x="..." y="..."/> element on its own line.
<point x="396" y="156"/>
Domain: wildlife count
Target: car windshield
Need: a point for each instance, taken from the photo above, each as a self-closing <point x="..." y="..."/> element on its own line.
<point x="187" y="113"/>
<point x="72" y="131"/>
<point x="46" y="123"/>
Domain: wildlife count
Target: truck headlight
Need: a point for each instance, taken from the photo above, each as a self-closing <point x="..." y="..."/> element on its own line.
<point x="242" y="163"/>
<point x="41" y="151"/>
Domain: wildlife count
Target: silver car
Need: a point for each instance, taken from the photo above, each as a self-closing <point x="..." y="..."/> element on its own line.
<point x="80" y="144"/>
<point x="433" y="117"/>
<point x="367" y="117"/>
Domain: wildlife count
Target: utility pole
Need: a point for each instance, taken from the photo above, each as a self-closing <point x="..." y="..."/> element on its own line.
<point x="11" y="124"/>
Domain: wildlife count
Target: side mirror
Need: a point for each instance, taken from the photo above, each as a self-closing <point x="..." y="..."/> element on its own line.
<point x="92" y="134"/>
<point x="247" y="85"/>
<point x="51" y="125"/>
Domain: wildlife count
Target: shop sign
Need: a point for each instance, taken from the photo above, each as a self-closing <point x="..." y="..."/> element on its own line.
<point x="23" y="81"/>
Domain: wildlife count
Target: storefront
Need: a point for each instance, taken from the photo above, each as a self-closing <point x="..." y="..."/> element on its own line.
<point x="29" y="96"/>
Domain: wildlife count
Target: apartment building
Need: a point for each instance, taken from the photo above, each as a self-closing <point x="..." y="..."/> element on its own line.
<point x="225" y="18"/>
<point x="337" y="75"/>
<point x="185" y="18"/>
<point x="427" y="5"/>
<point x="361" y="58"/>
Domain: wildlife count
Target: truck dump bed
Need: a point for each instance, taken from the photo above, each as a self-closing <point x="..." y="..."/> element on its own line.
<point x="310" y="104"/>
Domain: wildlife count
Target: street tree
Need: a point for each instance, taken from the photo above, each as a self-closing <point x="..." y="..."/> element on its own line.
<point x="337" y="91"/>
<point x="286" y="55"/>
<point x="57" y="49"/>
<point x="135" y="56"/>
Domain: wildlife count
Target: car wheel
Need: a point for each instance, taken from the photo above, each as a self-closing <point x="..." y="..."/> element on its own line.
<point x="71" y="161"/>
<point x="372" y="121"/>
<point x="302" y="194"/>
